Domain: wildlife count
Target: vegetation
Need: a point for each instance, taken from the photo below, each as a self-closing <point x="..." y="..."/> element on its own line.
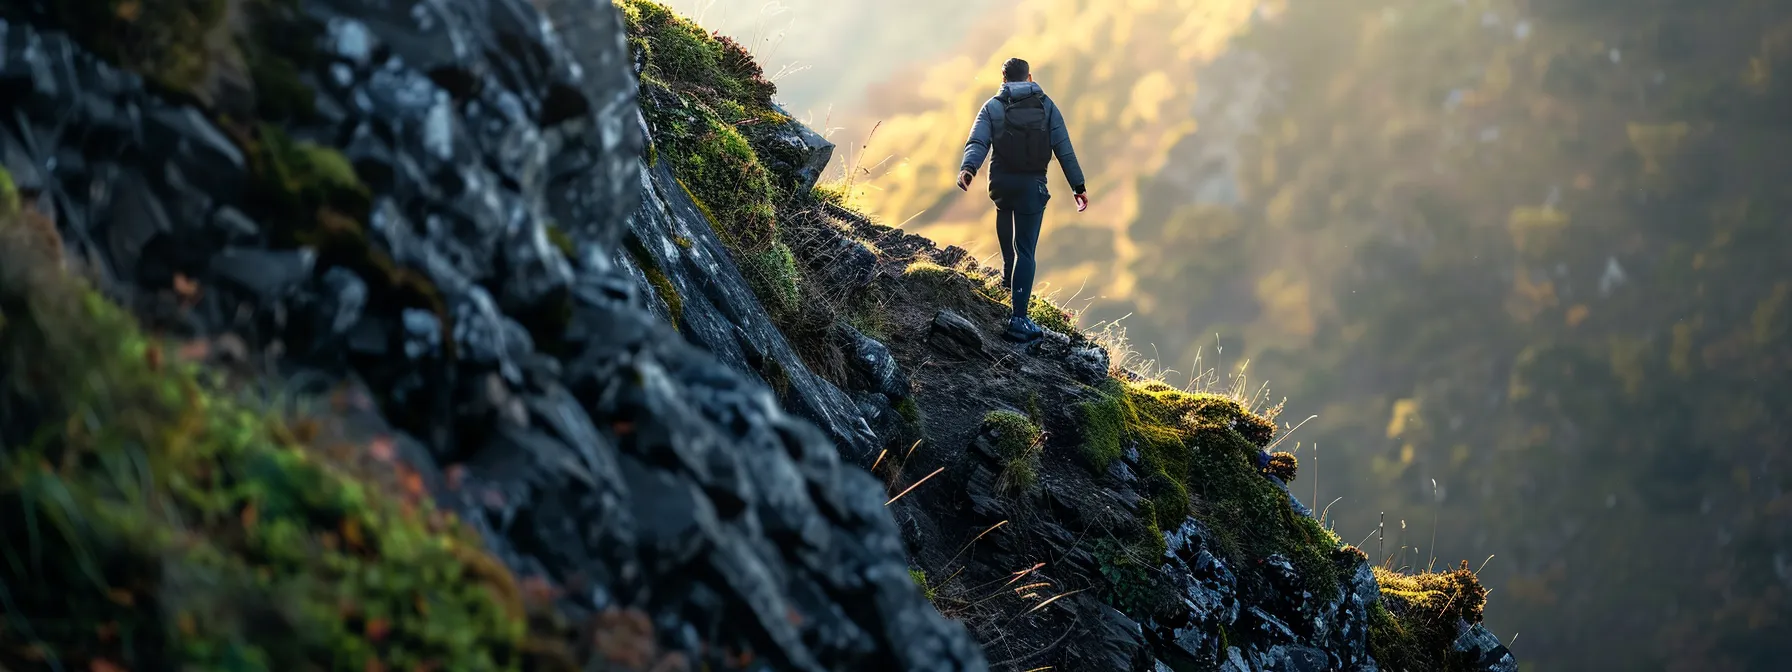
<point x="1204" y="446"/>
<point x="920" y="579"/>
<point x="656" y="277"/>
<point x="162" y="522"/>
<point x="1283" y="466"/>
<point x="1416" y="621"/>
<point x="1018" y="441"/>
<point x="702" y="91"/>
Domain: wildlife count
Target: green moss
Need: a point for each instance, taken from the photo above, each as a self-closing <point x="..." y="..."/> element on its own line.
<point x="927" y="270"/>
<point x="830" y="192"/>
<point x="151" y="517"/>
<point x="656" y="277"/>
<point x="1198" y="453"/>
<point x="9" y="193"/>
<point x="773" y="276"/>
<point x="680" y="51"/>
<point x="920" y="579"/>
<point x="562" y="241"/>
<point x="910" y="411"/>
<point x="1131" y="575"/>
<point x="702" y="75"/>
<point x="1102" y="428"/>
<point x="1047" y="315"/>
<point x="682" y="242"/>
<point x="311" y="196"/>
<point x="1017" y="442"/>
<point x="1283" y="466"/>
<point x="1414" y="624"/>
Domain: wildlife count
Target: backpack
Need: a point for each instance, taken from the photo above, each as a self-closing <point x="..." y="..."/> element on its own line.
<point x="1025" y="144"/>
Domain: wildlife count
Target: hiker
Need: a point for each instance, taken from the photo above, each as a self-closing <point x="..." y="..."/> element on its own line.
<point x="1025" y="129"/>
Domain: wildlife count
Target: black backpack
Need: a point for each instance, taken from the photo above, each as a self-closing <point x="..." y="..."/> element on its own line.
<point x="1025" y="145"/>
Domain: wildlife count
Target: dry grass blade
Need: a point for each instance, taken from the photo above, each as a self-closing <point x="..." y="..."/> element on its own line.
<point x="912" y="487"/>
<point x="1023" y="573"/>
<point x="1050" y="600"/>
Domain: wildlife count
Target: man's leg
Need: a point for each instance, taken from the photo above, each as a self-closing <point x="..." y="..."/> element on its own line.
<point x="1026" y="240"/>
<point x="1005" y="234"/>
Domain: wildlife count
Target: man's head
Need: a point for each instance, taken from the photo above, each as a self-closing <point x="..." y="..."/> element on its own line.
<point x="1016" y="70"/>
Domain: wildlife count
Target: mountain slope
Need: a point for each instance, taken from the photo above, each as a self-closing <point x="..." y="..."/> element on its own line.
<point x="295" y="377"/>
<point x="1071" y="514"/>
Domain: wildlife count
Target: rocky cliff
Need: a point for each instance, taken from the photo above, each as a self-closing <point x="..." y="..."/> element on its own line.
<point x="345" y="334"/>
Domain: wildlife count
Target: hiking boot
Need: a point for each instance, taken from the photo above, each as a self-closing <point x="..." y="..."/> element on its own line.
<point x="1022" y="330"/>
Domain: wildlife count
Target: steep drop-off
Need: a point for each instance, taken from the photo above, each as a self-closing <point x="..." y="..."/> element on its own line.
<point x="374" y="335"/>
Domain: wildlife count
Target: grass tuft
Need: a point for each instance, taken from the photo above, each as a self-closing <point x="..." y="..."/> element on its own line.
<point x="1017" y="440"/>
<point x="1416" y="621"/>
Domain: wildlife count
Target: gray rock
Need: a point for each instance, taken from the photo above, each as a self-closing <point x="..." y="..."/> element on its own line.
<point x="1296" y="659"/>
<point x="346" y="299"/>
<point x="1089" y="363"/>
<point x="813" y="151"/>
<point x="1115" y="643"/>
<point x="955" y="336"/>
<point x="872" y="367"/>
<point x="1235" y="662"/>
<point x="136" y="218"/>
<point x="268" y="274"/>
<point x="1483" y="651"/>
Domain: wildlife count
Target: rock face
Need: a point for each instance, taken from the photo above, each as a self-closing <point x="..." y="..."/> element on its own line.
<point x="721" y="314"/>
<point x="601" y="453"/>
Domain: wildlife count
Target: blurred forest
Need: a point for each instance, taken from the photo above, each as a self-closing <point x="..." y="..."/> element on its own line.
<point x="1534" y="250"/>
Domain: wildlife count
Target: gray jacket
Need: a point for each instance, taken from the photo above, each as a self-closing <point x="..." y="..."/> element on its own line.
<point x="989" y="123"/>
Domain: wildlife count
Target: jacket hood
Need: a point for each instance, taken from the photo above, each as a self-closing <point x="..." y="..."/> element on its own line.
<point x="1019" y="90"/>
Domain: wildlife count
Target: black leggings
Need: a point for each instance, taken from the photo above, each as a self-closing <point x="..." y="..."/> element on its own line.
<point x="1019" y="234"/>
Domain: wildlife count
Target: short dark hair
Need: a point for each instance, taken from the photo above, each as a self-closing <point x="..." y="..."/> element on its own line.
<point x="1015" y="70"/>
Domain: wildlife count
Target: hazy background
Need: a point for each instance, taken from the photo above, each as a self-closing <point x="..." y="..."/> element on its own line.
<point x="1534" y="250"/>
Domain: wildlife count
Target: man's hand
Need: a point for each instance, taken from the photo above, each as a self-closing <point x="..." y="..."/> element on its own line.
<point x="964" y="180"/>
<point x="1082" y="201"/>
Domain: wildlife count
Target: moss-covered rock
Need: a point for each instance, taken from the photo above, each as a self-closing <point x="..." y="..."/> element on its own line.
<point x="1199" y="453"/>
<point x="159" y="522"/>
<point x="1415" y="624"/>
<point x="656" y="277"/>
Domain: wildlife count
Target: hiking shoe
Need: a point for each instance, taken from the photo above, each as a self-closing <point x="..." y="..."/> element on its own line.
<point x="1022" y="330"/>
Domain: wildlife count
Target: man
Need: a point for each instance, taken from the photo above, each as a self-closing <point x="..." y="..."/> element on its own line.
<point x="1025" y="130"/>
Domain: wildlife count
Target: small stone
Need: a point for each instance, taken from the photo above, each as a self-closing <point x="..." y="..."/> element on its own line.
<point x="955" y="335"/>
<point x="267" y="274"/>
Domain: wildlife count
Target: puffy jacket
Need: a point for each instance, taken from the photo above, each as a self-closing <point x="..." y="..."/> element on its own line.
<point x="989" y="124"/>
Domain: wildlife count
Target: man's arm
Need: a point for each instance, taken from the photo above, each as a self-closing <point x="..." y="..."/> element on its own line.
<point x="977" y="146"/>
<point x="1073" y="171"/>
